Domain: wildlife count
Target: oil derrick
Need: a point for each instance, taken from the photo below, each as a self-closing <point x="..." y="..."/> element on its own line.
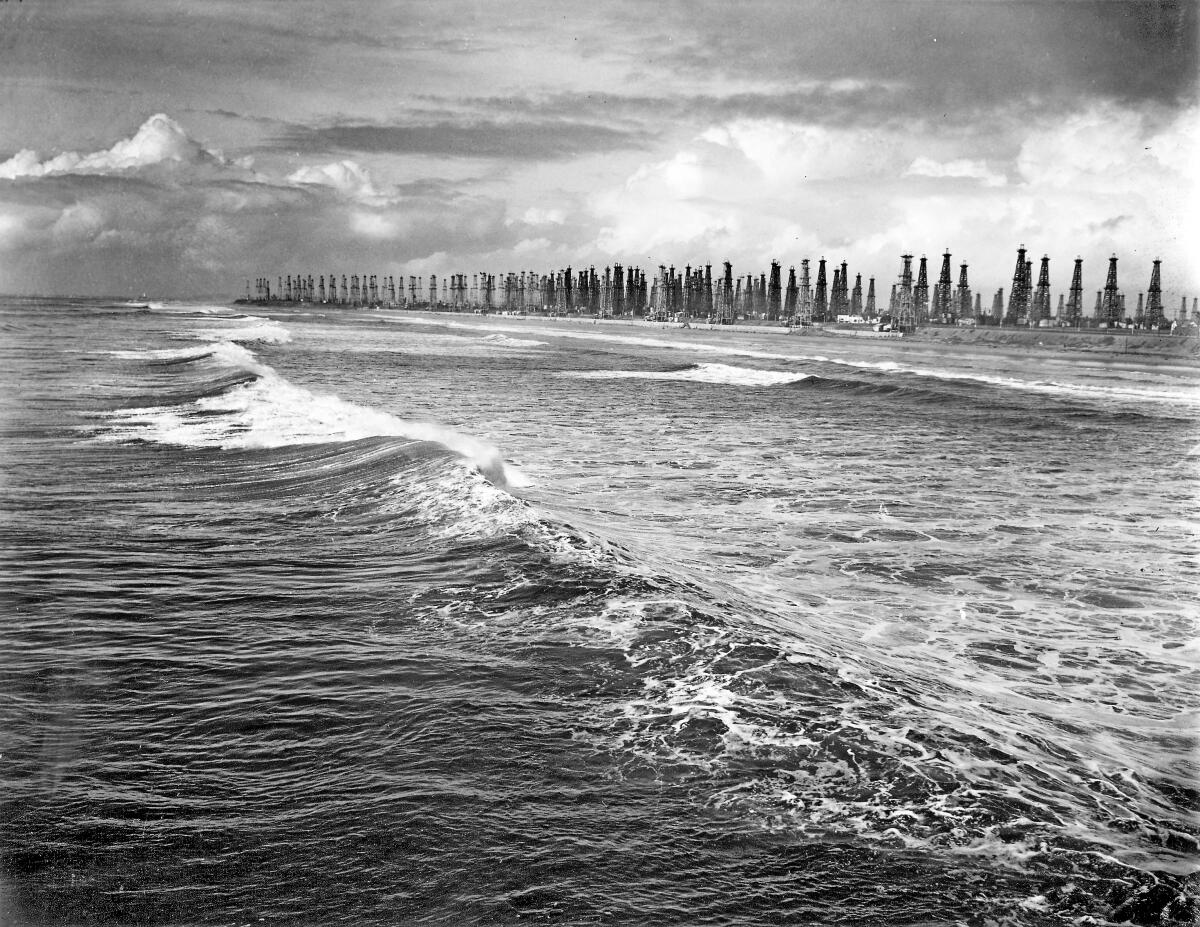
<point x="998" y="306"/>
<point x="760" y="296"/>
<point x="568" y="287"/>
<point x="843" y="291"/>
<point x="1111" y="310"/>
<point x="978" y="306"/>
<point x="618" y="290"/>
<point x="790" y="296"/>
<point x="921" y="293"/>
<point x="1139" y="314"/>
<point x="904" y="314"/>
<point x="1155" y="317"/>
<point x="706" y="295"/>
<point x="345" y="297"/>
<point x="658" y="295"/>
<point x="724" y="296"/>
<point x="774" y="294"/>
<point x="869" y="309"/>
<point x="856" y="297"/>
<point x="835" y="295"/>
<point x="1098" y="311"/>
<point x="412" y="291"/>
<point x="287" y="291"/>
<point x="354" y="289"/>
<point x="1039" y="309"/>
<point x="321" y="288"/>
<point x="1074" y="308"/>
<point x="943" y="309"/>
<point x="593" y="290"/>
<point x="549" y="292"/>
<point x="310" y="288"/>
<point x="820" y="311"/>
<point x="1018" y="296"/>
<point x="962" y="295"/>
<point x="893" y="302"/>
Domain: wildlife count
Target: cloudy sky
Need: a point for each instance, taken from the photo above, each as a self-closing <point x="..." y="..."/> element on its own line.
<point x="181" y="148"/>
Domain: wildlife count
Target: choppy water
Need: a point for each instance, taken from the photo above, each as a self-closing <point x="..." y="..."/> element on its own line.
<point x="337" y="617"/>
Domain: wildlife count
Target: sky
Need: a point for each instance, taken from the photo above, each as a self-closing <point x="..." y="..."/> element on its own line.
<point x="180" y="149"/>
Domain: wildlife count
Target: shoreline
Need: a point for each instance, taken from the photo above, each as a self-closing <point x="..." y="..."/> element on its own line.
<point x="1141" y="347"/>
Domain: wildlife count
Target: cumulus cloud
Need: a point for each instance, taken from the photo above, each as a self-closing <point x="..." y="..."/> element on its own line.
<point x="1105" y="178"/>
<point x="346" y="176"/>
<point x="166" y="211"/>
<point x="960" y="168"/>
<point x="159" y="140"/>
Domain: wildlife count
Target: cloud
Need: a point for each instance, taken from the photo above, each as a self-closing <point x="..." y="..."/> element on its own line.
<point x="532" y="140"/>
<point x="960" y="168"/>
<point x="158" y="210"/>
<point x="1104" y="178"/>
<point x="159" y="140"/>
<point x="345" y="176"/>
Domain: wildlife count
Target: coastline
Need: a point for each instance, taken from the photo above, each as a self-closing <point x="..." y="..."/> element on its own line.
<point x="1142" y="347"/>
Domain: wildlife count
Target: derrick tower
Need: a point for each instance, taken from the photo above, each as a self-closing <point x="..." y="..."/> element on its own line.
<point x="869" y="308"/>
<point x="962" y="294"/>
<point x="774" y="293"/>
<point x="1155" y="317"/>
<point x="856" y="298"/>
<point x="1018" y="296"/>
<point x="804" y="298"/>
<point x="903" y="311"/>
<point x="835" y="295"/>
<point x="1040" y="308"/>
<point x="1074" y="307"/>
<point x="1110" y="303"/>
<point x="820" y="311"/>
<point x="791" y="295"/>
<point x="724" y="306"/>
<point x="944" y="309"/>
<point x="921" y="293"/>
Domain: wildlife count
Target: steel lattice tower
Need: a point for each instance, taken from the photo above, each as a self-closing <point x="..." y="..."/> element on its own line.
<point x="962" y="295"/>
<point x="804" y="305"/>
<point x="856" y="297"/>
<point x="1110" y="305"/>
<point x="921" y="293"/>
<point x="1040" y="307"/>
<point x="791" y="295"/>
<point x="821" y="300"/>
<point x="1018" y="301"/>
<point x="870" y="309"/>
<point x="1155" y="317"/>
<point x="943" y="310"/>
<point x="1074" y="307"/>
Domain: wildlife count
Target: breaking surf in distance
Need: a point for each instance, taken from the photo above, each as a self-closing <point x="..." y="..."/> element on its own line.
<point x="731" y="635"/>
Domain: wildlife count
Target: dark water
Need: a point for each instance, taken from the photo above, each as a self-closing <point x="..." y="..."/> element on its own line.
<point x="751" y="631"/>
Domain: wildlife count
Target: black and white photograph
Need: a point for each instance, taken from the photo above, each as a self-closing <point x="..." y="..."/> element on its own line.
<point x="473" y="463"/>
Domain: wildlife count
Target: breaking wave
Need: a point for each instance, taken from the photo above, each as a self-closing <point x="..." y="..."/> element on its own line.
<point x="722" y="374"/>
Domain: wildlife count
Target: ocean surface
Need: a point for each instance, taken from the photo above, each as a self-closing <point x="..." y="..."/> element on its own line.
<point x="370" y="618"/>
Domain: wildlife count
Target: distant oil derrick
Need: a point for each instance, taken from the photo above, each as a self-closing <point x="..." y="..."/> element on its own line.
<point x="1155" y="317"/>
<point x="804" y="298"/>
<point x="903" y="309"/>
<point x="1019" y="295"/>
<point x="869" y="309"/>
<point x="1112" y="308"/>
<point x="774" y="294"/>
<point x="1039" y="310"/>
<point x="1073" y="311"/>
<point x="920" y="293"/>
<point x="943" y="308"/>
<point x="962" y="296"/>
<point x="820" y="311"/>
<point x="791" y="297"/>
<point x="856" y="297"/>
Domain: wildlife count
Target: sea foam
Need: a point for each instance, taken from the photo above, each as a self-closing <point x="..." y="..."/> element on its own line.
<point x="723" y="374"/>
<point x="271" y="412"/>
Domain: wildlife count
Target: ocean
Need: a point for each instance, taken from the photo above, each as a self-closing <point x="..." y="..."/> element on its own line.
<point x="367" y="617"/>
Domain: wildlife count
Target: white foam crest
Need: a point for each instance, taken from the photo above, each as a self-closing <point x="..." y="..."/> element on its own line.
<point x="506" y="341"/>
<point x="271" y="412"/>
<point x="195" y="351"/>
<point x="1186" y="397"/>
<point x="462" y="505"/>
<point x="722" y="374"/>
<point x="254" y="330"/>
